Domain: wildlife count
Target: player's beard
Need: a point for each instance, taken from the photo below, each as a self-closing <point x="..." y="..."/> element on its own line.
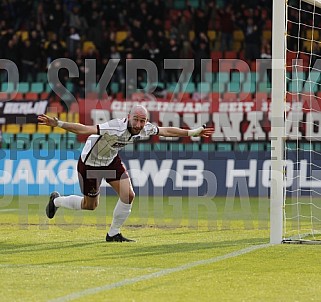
<point x="132" y="130"/>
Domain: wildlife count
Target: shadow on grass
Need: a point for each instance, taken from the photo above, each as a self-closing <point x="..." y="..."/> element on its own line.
<point x="116" y="251"/>
<point x="138" y="251"/>
<point x="13" y="248"/>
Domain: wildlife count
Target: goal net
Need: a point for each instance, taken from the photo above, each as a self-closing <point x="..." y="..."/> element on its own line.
<point x="302" y="128"/>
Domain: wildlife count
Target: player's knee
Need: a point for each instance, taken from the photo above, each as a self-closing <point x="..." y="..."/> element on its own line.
<point x="91" y="207"/>
<point x="128" y="198"/>
<point x="90" y="204"/>
<point x="131" y="197"/>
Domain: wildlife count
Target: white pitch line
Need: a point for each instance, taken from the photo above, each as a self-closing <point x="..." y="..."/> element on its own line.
<point x="9" y="210"/>
<point x="95" y="290"/>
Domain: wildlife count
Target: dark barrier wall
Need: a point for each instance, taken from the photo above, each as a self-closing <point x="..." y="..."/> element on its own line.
<point x="39" y="172"/>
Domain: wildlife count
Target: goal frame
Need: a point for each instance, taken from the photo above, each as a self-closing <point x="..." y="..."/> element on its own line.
<point x="277" y="121"/>
<point x="278" y="103"/>
<point x="313" y="2"/>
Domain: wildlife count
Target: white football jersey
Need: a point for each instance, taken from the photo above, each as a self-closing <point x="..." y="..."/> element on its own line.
<point x="100" y="149"/>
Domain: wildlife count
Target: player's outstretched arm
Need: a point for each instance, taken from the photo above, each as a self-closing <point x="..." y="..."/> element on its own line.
<point x="77" y="128"/>
<point x="179" y="132"/>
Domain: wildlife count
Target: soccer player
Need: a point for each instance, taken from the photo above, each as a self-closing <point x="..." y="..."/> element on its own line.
<point x="100" y="160"/>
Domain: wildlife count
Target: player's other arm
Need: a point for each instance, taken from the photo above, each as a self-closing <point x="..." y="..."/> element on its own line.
<point x="77" y="128"/>
<point x="179" y="132"/>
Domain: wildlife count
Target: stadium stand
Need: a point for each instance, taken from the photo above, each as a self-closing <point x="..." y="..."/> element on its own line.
<point x="131" y="36"/>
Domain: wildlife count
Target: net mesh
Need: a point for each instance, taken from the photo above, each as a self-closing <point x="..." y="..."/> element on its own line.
<point x="302" y="205"/>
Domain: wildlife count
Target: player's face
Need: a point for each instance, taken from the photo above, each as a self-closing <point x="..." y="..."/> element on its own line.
<point x="137" y="122"/>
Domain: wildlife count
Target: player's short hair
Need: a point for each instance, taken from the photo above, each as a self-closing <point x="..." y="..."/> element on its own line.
<point x="136" y="108"/>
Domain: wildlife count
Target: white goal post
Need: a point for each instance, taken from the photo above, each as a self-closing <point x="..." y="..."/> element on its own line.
<point x="277" y="121"/>
<point x="296" y="85"/>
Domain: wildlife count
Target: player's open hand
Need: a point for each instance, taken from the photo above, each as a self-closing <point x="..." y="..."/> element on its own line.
<point x="206" y="132"/>
<point x="44" y="119"/>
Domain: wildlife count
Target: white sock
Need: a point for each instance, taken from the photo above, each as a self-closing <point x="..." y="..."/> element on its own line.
<point x="69" y="202"/>
<point x="121" y="213"/>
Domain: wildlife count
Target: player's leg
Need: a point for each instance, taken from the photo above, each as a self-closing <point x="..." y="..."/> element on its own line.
<point x="124" y="189"/>
<point x="56" y="201"/>
<point x="122" y="210"/>
<point x="89" y="187"/>
<point x="75" y="202"/>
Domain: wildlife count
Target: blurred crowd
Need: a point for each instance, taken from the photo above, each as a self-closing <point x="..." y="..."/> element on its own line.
<point x="34" y="33"/>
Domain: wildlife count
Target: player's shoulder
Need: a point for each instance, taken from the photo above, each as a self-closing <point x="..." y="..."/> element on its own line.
<point x="114" y="126"/>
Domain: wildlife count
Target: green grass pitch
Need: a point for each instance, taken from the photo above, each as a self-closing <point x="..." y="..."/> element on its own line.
<point x="187" y="249"/>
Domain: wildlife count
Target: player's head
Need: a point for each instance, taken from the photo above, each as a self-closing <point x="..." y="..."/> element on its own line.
<point x="137" y="119"/>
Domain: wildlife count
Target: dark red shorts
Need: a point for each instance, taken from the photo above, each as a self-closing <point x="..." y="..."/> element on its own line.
<point x="90" y="177"/>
